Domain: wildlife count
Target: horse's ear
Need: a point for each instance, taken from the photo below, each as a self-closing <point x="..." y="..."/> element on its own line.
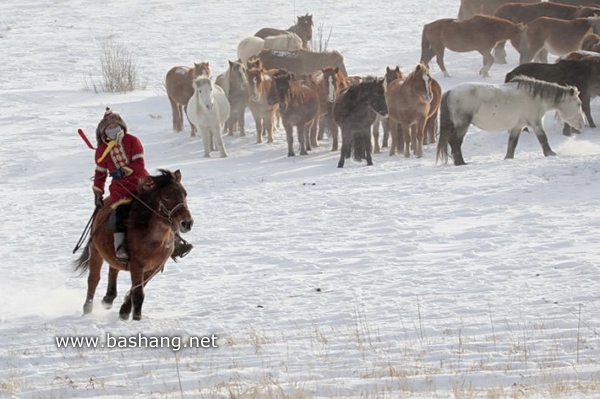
<point x="230" y="63"/>
<point x="146" y="184"/>
<point x="290" y="76"/>
<point x="397" y="69"/>
<point x="177" y="175"/>
<point x="336" y="70"/>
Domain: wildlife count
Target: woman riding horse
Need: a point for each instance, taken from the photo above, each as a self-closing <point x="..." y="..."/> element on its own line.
<point x="120" y="155"/>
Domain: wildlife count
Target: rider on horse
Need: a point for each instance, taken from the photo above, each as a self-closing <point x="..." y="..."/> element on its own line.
<point x="120" y="155"/>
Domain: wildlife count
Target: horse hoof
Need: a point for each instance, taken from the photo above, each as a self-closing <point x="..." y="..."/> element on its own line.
<point x="137" y="317"/>
<point x="88" y="307"/>
<point x="291" y="154"/>
<point x="107" y="304"/>
<point x="550" y="154"/>
<point x="123" y="317"/>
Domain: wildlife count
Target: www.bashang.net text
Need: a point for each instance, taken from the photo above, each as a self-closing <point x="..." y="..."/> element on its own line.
<point x="175" y="343"/>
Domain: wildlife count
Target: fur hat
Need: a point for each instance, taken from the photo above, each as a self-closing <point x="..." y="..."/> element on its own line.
<point x="108" y="118"/>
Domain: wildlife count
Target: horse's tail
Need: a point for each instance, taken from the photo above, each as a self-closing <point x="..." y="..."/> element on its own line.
<point x="447" y="130"/>
<point x="426" y="51"/>
<point x="359" y="147"/>
<point x="83" y="263"/>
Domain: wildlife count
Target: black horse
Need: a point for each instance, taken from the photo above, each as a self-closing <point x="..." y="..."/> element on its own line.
<point x="583" y="74"/>
<point x="355" y="110"/>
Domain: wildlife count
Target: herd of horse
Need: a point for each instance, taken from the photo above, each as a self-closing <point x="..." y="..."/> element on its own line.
<point x="280" y="80"/>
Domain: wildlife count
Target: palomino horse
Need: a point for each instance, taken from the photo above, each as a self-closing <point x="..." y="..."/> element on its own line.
<point x="480" y="33"/>
<point x="555" y="36"/>
<point x="259" y="85"/>
<point x="469" y="8"/>
<point x="251" y="46"/>
<point x="298" y="104"/>
<point x="158" y="213"/>
<point x="302" y="61"/>
<point x="584" y="74"/>
<point x="354" y="111"/>
<point x="303" y="28"/>
<point x="409" y="104"/>
<point x="179" y="90"/>
<point x="208" y="109"/>
<point x="329" y="82"/>
<point x="525" y="13"/>
<point x="514" y="105"/>
<point x="235" y="85"/>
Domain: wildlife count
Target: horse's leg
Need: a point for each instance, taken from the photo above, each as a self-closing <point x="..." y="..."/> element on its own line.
<point x="431" y="129"/>
<point x="366" y="136"/>
<point x="229" y="124"/>
<point x="542" y="56"/>
<point x="334" y="136"/>
<point x="408" y="133"/>
<point x="95" y="266"/>
<point x="439" y="57"/>
<point x="111" y="290"/>
<point x="215" y="133"/>
<point x="177" y="117"/>
<point x="394" y="132"/>
<point x="585" y="106"/>
<point x="192" y="127"/>
<point x="289" y="135"/>
<point x="419" y="129"/>
<point x="500" y="53"/>
<point x="303" y="130"/>
<point x="513" y="140"/>
<point x="456" y="141"/>
<point x="206" y="141"/>
<point x="135" y="296"/>
<point x="346" y="149"/>
<point x="375" y="132"/>
<point x="385" y="124"/>
<point x="538" y="129"/>
<point x="241" y="122"/>
<point x="488" y="61"/>
<point x="268" y="126"/>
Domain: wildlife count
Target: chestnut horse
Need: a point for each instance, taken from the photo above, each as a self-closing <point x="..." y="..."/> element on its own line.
<point x="409" y="104"/>
<point x="525" y="13"/>
<point x="470" y="8"/>
<point x="158" y="213"/>
<point x="259" y="85"/>
<point x="235" y="85"/>
<point x="179" y="90"/>
<point x="556" y="36"/>
<point x="480" y="33"/>
<point x="302" y="61"/>
<point x="303" y="28"/>
<point x="354" y="111"/>
<point x="298" y="101"/>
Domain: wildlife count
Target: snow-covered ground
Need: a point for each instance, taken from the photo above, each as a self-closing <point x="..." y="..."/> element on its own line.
<point x="405" y="279"/>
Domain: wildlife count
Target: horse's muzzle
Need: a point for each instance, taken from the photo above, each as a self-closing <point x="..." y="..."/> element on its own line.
<point x="186" y="225"/>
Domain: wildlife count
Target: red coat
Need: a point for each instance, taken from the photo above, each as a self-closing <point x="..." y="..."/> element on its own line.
<point x="127" y="154"/>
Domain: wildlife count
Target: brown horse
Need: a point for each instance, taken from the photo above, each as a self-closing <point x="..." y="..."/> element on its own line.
<point x="303" y="28"/>
<point x="298" y="101"/>
<point x="525" y="13"/>
<point x="235" y="85"/>
<point x="590" y="3"/>
<point x="354" y="111"/>
<point x="409" y="104"/>
<point x="302" y="61"/>
<point x="179" y="90"/>
<point x="556" y="36"/>
<point x="158" y="213"/>
<point x="259" y="85"/>
<point x="329" y="83"/>
<point x="480" y="33"/>
<point x="469" y="8"/>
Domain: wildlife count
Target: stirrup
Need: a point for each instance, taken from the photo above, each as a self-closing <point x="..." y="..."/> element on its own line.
<point x="182" y="248"/>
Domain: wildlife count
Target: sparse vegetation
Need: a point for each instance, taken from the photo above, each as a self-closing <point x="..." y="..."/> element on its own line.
<point x="119" y="70"/>
<point x="319" y="42"/>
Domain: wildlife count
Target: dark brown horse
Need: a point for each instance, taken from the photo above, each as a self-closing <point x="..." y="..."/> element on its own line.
<point x="583" y="74"/>
<point x="235" y="85"/>
<point x="410" y="103"/>
<point x="157" y="214"/>
<point x="480" y="33"/>
<point x="557" y="36"/>
<point x="469" y="8"/>
<point x="298" y="101"/>
<point x="259" y="85"/>
<point x="525" y="13"/>
<point x="354" y="111"/>
<point x="178" y="83"/>
<point x="303" y="28"/>
<point x="302" y="61"/>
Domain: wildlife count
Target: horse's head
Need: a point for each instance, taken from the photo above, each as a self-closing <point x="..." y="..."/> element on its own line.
<point x="165" y="196"/>
<point x="393" y="74"/>
<point x="422" y="82"/>
<point x="203" y="88"/>
<point x="202" y="69"/>
<point x="305" y="27"/>
<point x="334" y="82"/>
<point x="255" y="83"/>
<point x="374" y="93"/>
<point x="254" y="62"/>
<point x="569" y="108"/>
<point x="279" y="92"/>
<point x="237" y="74"/>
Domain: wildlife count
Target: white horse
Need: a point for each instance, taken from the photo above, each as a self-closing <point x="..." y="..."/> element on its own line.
<point x="207" y="110"/>
<point x="253" y="45"/>
<point x="514" y="105"/>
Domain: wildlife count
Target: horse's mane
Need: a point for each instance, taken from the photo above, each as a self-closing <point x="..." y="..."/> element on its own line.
<point x="419" y="70"/>
<point x="545" y="90"/>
